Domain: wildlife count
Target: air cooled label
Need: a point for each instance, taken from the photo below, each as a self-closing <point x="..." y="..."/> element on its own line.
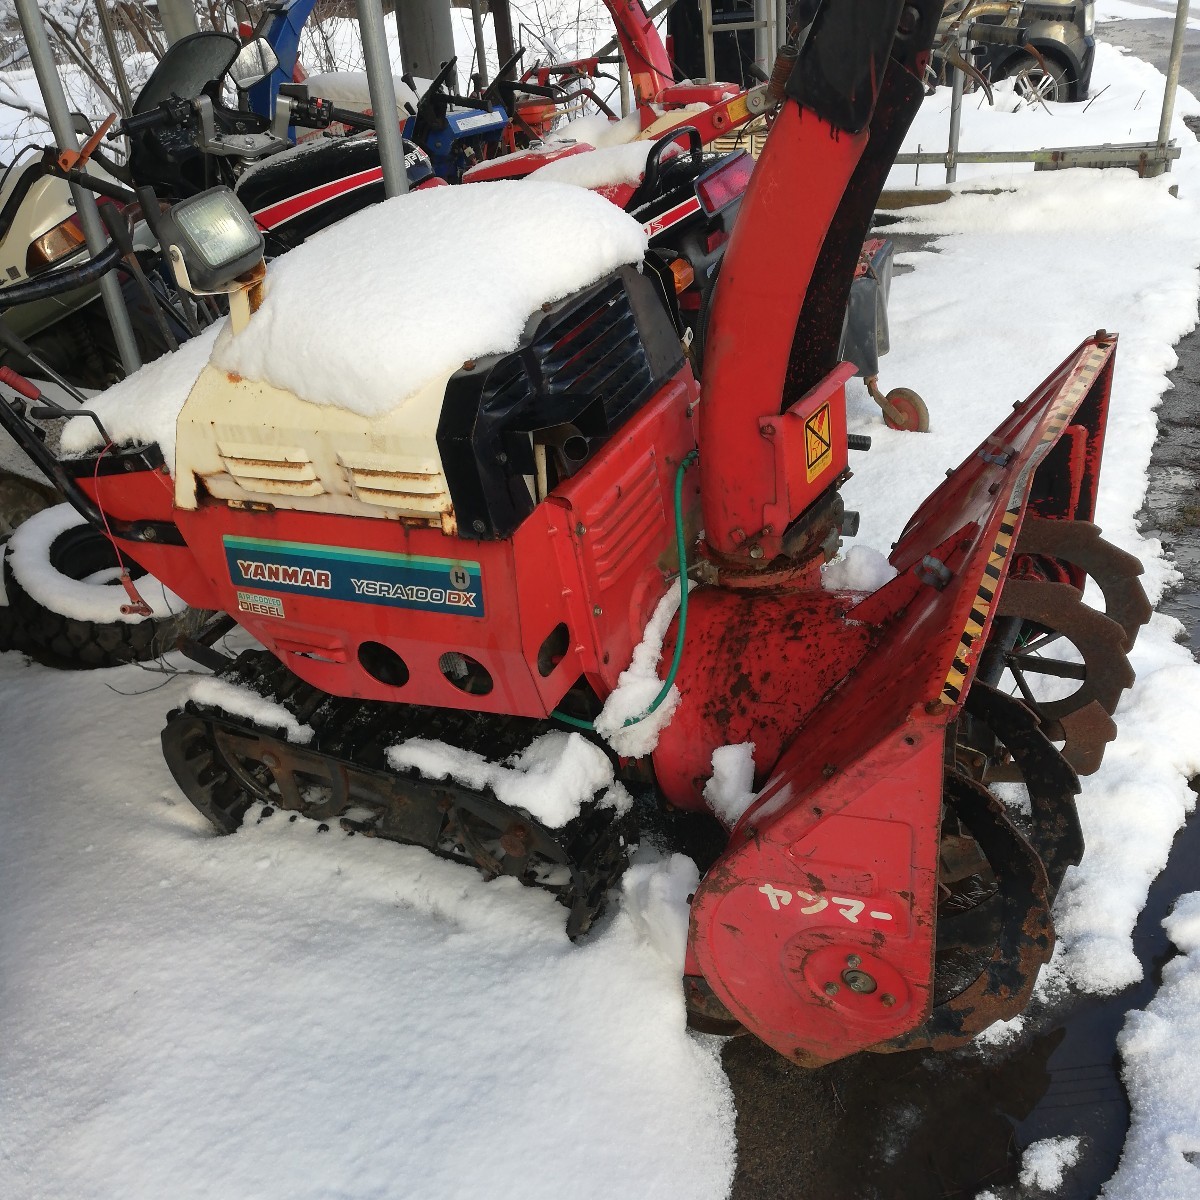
<point x="367" y="576"/>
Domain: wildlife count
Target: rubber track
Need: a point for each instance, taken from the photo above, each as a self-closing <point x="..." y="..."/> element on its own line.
<point x="357" y="734"/>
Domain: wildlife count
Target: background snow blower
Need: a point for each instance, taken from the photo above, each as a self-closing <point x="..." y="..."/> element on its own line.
<point x="474" y="570"/>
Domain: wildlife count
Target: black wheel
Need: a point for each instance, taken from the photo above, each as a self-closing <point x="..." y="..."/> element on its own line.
<point x="60" y="576"/>
<point x="10" y="631"/>
<point x="1035" y="81"/>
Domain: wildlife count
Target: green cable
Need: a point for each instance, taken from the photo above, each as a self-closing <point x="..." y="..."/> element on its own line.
<point x="681" y="547"/>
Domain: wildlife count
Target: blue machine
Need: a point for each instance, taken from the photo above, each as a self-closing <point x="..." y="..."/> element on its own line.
<point x="454" y="134"/>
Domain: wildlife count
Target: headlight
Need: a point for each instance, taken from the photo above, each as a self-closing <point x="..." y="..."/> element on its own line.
<point x="211" y="240"/>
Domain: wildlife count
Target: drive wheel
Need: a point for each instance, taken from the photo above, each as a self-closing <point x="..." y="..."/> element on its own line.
<point x="60" y="576"/>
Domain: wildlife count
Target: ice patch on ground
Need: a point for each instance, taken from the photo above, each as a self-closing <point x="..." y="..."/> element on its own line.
<point x="550" y="779"/>
<point x="525" y="245"/>
<point x="637" y="687"/>
<point x="1044" y="1163"/>
<point x="28" y="558"/>
<point x="859" y="569"/>
<point x="730" y="791"/>
<point x="244" y="702"/>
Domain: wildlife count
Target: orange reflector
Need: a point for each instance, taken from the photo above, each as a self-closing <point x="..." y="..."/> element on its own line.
<point x="54" y="245"/>
<point x="684" y="275"/>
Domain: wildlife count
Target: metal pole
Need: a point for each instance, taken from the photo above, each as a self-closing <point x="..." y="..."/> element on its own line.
<point x="502" y="24"/>
<point x="706" y="33"/>
<point x="955" y="117"/>
<point x="764" y="36"/>
<point x="114" y="56"/>
<point x="55" y="100"/>
<point x="1168" y="108"/>
<point x="382" y="87"/>
<point x="480" y="51"/>
<point x="626" y="91"/>
<point x="426" y="37"/>
<point x="178" y="19"/>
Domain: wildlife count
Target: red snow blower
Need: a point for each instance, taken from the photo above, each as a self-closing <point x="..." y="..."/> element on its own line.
<point x="875" y="895"/>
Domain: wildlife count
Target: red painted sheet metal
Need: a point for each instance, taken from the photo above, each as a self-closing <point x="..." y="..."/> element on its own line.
<point x="873" y="751"/>
<point x="764" y="277"/>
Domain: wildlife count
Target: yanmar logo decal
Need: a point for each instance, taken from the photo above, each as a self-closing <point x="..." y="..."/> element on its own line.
<point x="304" y="577"/>
<point x="376" y="577"/>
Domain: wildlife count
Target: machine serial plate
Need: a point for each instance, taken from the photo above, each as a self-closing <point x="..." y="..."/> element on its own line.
<point x="441" y="585"/>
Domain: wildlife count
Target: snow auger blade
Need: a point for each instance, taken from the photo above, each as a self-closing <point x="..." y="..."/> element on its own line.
<point x="875" y="896"/>
<point x="226" y="763"/>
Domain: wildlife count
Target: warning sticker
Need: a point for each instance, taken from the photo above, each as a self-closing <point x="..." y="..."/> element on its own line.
<point x="818" y="445"/>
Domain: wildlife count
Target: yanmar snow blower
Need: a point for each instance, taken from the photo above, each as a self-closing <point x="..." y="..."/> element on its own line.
<point x="447" y="580"/>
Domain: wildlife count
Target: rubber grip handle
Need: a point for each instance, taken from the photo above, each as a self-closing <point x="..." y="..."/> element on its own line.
<point x="19" y="384"/>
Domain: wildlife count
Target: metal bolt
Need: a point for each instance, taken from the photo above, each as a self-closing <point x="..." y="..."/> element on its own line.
<point x="149" y="534"/>
<point x="478" y="526"/>
<point x="887" y="999"/>
<point x="756" y="552"/>
<point x="580" y="529"/>
<point x="831" y="989"/>
<point x="768" y="431"/>
<point x="852" y="960"/>
<point x="859" y="982"/>
<point x="597" y="611"/>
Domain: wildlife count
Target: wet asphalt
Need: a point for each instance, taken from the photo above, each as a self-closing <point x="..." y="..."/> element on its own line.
<point x="920" y="1126"/>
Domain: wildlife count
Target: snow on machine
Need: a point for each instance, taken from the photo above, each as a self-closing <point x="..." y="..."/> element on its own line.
<point x="452" y="549"/>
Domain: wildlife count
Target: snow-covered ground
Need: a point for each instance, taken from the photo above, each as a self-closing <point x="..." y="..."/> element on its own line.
<point x="287" y="1013"/>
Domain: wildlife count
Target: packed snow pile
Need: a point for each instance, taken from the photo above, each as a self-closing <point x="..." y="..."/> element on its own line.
<point x="1160" y="1049"/>
<point x="323" y="1007"/>
<point x="142" y="410"/>
<point x="657" y="898"/>
<point x="349" y="89"/>
<point x="1125" y="105"/>
<point x="89" y="600"/>
<point x="366" y="313"/>
<point x="606" y="167"/>
<point x="859" y="568"/>
<point x="243" y="702"/>
<point x="730" y="791"/>
<point x="550" y="779"/>
<point x="1044" y="1164"/>
<point x="638" y="686"/>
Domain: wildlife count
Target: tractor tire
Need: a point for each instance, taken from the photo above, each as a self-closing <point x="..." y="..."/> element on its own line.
<point x="65" y="601"/>
<point x="1033" y="82"/>
<point x="10" y="630"/>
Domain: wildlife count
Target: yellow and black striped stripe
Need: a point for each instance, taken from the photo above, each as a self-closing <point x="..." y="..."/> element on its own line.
<point x="1058" y="417"/>
<point x="984" y="597"/>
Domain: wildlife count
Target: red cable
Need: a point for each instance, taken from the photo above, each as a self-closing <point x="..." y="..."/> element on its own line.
<point x="137" y="605"/>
